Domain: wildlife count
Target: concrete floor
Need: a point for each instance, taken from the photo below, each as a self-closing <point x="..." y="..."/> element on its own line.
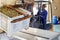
<point x="57" y="28"/>
<point x="3" y="36"/>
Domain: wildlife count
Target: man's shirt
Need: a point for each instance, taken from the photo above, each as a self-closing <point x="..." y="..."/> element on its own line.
<point x="42" y="13"/>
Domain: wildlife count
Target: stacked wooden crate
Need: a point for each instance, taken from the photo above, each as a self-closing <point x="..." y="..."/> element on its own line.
<point x="13" y="20"/>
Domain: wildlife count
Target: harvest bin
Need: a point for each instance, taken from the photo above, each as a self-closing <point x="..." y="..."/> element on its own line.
<point x="11" y="25"/>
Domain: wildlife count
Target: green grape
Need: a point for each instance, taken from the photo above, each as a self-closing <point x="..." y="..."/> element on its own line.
<point x="9" y="12"/>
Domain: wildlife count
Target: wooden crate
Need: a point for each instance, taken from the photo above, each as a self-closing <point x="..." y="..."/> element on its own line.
<point x="12" y="25"/>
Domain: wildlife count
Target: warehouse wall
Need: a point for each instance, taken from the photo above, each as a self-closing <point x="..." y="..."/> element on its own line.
<point x="56" y="7"/>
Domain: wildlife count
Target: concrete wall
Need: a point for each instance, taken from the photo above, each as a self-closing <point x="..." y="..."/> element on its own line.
<point x="56" y="7"/>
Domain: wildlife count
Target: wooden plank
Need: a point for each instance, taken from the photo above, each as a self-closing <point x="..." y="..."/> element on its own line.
<point x="20" y="19"/>
<point x="41" y="33"/>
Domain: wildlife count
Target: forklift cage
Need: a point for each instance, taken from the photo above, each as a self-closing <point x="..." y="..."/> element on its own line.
<point x="48" y="3"/>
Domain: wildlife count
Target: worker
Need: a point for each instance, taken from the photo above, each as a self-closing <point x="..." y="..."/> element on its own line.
<point x="42" y="15"/>
<point x="29" y="5"/>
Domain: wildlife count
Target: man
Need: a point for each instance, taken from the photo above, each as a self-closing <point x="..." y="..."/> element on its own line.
<point x="43" y="15"/>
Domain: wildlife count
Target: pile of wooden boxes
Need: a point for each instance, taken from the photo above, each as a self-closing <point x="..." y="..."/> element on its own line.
<point x="13" y="20"/>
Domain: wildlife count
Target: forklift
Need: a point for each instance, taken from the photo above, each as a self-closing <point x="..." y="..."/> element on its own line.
<point x="38" y="24"/>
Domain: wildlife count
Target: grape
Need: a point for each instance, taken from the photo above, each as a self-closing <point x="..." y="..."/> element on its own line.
<point x="9" y="12"/>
